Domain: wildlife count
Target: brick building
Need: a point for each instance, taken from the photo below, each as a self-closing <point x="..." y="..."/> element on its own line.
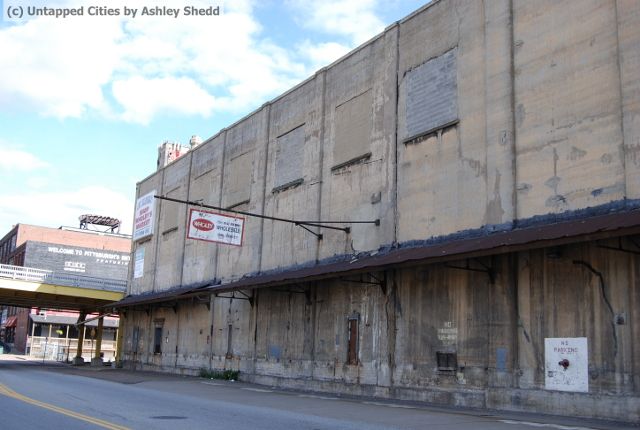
<point x="62" y="250"/>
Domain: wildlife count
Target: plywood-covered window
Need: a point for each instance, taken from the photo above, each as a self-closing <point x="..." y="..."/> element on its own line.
<point x="237" y="179"/>
<point x="157" y="336"/>
<point x="353" y="123"/>
<point x="289" y="158"/>
<point x="353" y="323"/>
<point x="170" y="213"/>
<point x="431" y="95"/>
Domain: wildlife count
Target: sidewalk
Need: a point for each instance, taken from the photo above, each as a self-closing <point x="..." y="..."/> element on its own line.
<point x="197" y="386"/>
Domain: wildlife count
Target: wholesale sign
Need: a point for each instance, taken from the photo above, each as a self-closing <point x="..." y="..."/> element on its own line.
<point x="143" y="218"/>
<point x="214" y="227"/>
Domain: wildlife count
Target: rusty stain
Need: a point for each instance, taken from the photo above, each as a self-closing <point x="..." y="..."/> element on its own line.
<point x="576" y="154"/>
<point x="552" y="182"/>
<point x="555" y="201"/>
<point x="504" y="137"/>
<point x="476" y="165"/>
<point x="495" y="211"/>
<point x="524" y="188"/>
<point x="632" y="152"/>
<point x="520" y="114"/>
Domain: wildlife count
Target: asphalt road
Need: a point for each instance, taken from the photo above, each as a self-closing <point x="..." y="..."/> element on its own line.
<point x="37" y="396"/>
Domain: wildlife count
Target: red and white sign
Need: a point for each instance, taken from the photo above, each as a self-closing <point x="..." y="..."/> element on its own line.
<point x="144" y="216"/>
<point x="215" y="227"/>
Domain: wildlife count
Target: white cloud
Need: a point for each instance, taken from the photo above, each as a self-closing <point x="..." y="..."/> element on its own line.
<point x="355" y="19"/>
<point x="143" y="98"/>
<point x="135" y="68"/>
<point x="322" y="54"/>
<point x="57" y="68"/>
<point x="54" y="209"/>
<point x="17" y="160"/>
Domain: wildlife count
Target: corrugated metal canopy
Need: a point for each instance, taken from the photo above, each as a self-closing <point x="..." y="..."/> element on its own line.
<point x="591" y="228"/>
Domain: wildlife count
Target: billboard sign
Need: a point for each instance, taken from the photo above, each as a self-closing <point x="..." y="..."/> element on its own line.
<point x="101" y="263"/>
<point x="143" y="218"/>
<point x="215" y="227"/>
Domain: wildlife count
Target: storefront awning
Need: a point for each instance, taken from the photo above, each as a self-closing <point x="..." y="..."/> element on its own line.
<point x="70" y="320"/>
<point x="438" y="250"/>
<point x="12" y="321"/>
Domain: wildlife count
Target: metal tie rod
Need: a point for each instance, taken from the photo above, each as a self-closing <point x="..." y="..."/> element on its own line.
<point x="322" y="224"/>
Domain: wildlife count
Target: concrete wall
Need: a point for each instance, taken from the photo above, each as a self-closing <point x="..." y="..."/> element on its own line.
<point x="297" y="336"/>
<point x="534" y="118"/>
<point x="537" y="123"/>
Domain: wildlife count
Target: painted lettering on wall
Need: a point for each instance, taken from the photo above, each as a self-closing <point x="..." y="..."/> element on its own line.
<point x="448" y="333"/>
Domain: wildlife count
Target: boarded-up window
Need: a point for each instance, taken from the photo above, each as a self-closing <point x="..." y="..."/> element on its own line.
<point x="352" y="336"/>
<point x="353" y="122"/>
<point x="157" y="336"/>
<point x="289" y="157"/>
<point x="431" y="95"/>
<point x="237" y="179"/>
<point x="447" y="361"/>
<point x="170" y="212"/>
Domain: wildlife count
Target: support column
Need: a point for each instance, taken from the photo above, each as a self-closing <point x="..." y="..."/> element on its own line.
<point x="119" y="340"/>
<point x="97" y="360"/>
<point x="33" y="333"/>
<point x="78" y="360"/>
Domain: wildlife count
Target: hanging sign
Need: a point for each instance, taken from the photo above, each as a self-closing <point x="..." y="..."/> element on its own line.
<point x="143" y="218"/>
<point x="215" y="227"/>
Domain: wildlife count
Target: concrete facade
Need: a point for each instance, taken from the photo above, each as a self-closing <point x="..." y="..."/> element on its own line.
<point x="463" y="120"/>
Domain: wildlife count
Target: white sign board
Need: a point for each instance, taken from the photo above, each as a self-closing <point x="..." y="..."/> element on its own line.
<point x="138" y="264"/>
<point x="214" y="227"/>
<point x="566" y="364"/>
<point x="143" y="218"/>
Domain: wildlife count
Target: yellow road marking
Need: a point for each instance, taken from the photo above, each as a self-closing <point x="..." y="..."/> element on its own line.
<point x="4" y="390"/>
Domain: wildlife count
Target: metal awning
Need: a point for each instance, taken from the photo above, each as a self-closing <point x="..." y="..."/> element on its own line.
<point x="12" y="321"/>
<point x="70" y="320"/>
<point x="577" y="230"/>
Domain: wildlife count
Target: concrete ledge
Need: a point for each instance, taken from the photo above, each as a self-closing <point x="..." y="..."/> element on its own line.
<point x="598" y="406"/>
<point x="606" y="407"/>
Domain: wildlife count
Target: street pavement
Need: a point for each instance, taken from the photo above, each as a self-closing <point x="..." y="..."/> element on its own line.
<point x="49" y="395"/>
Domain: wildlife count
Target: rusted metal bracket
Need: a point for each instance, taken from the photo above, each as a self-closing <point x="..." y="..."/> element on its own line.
<point x="302" y="223"/>
<point x="234" y="297"/>
<point x="379" y="282"/>
<point x="305" y="291"/>
<point x="203" y="300"/>
<point x="317" y="235"/>
<point x="620" y="247"/>
<point x="485" y="269"/>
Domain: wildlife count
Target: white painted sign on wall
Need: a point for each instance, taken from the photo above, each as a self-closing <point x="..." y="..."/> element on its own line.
<point x="215" y="227"/>
<point x="566" y="362"/>
<point x="138" y="264"/>
<point x="143" y="218"/>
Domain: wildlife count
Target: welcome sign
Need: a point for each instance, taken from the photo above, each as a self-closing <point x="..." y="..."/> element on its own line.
<point x="215" y="227"/>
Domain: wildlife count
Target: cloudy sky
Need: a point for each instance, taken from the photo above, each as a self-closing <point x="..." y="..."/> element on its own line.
<point x="86" y="100"/>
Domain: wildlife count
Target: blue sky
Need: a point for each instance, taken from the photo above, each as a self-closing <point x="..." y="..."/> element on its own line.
<point x="85" y="101"/>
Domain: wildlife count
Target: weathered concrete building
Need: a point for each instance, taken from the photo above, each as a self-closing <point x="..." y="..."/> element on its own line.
<point x="498" y="145"/>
